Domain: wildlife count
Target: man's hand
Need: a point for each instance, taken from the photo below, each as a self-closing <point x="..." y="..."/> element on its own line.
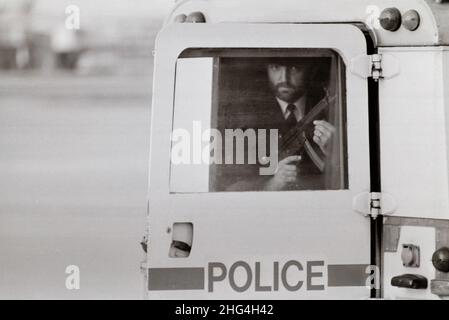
<point x="323" y="134"/>
<point x="286" y="173"/>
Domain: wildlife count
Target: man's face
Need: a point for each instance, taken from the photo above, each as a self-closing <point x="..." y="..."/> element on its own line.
<point x="287" y="81"/>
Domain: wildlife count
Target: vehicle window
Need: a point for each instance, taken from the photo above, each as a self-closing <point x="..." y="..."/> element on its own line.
<point x="259" y="120"/>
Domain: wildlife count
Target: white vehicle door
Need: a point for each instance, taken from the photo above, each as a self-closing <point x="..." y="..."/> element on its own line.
<point x="240" y="235"/>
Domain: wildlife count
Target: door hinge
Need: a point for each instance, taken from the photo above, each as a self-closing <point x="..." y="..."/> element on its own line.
<point x="373" y="204"/>
<point x="376" y="66"/>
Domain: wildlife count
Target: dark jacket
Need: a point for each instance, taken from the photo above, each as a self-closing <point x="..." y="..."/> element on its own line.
<point x="265" y="113"/>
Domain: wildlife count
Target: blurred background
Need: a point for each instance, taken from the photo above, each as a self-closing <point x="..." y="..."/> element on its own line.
<point x="74" y="122"/>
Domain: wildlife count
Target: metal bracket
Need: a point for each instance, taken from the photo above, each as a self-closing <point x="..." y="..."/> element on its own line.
<point x="391" y="235"/>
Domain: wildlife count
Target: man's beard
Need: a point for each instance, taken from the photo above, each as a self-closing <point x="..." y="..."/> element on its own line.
<point x="287" y="92"/>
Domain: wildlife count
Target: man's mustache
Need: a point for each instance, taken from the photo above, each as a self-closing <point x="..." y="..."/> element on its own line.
<point x="284" y="85"/>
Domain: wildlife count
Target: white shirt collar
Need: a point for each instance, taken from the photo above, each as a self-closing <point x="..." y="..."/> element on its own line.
<point x="300" y="107"/>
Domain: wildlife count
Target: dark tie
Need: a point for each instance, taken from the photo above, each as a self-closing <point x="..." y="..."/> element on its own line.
<point x="291" y="120"/>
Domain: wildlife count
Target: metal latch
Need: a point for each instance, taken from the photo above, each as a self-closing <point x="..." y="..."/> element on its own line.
<point x="373" y="204"/>
<point x="377" y="66"/>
